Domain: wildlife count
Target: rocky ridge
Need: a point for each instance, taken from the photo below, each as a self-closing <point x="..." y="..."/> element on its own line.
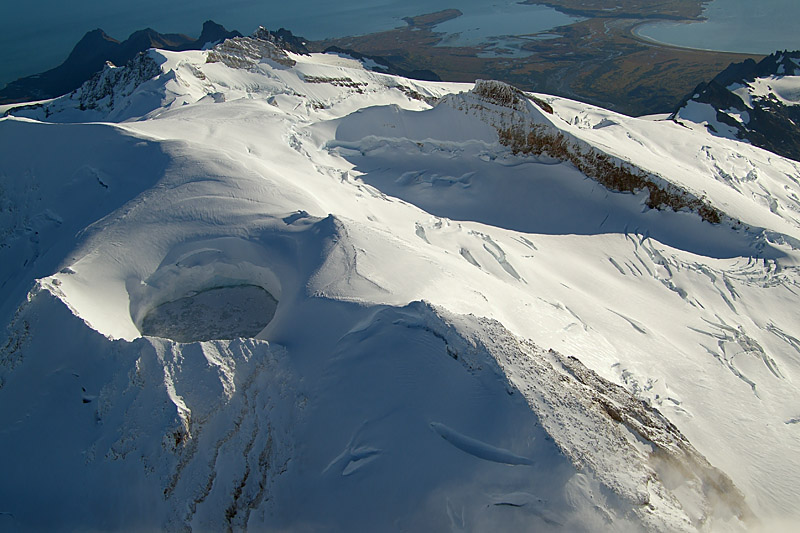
<point x="755" y="102"/>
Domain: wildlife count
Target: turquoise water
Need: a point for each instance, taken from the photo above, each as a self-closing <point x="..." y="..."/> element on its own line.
<point x="36" y="36"/>
<point x="748" y="26"/>
<point x="494" y="20"/>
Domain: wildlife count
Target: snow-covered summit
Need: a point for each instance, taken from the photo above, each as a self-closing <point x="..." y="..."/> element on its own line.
<point x="251" y="288"/>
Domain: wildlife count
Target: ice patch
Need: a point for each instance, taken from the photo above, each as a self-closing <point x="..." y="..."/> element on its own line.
<point x="706" y="114"/>
<point x="743" y="92"/>
<point x="218" y="313"/>
<point x="742" y="117"/>
<point x="785" y="89"/>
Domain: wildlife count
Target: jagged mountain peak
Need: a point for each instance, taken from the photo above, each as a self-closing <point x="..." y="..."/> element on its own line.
<point x="95" y="35"/>
<point x="780" y="63"/>
<point x="213" y="33"/>
<point x="93" y="43"/>
<point x="92" y="52"/>
<point x="149" y="36"/>
<point x="282" y="38"/>
<point x="754" y="102"/>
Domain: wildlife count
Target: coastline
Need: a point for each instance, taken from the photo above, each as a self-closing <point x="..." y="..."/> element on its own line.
<point x="598" y="60"/>
<point x="595" y="13"/>
<point x="602" y="60"/>
<point x="634" y="32"/>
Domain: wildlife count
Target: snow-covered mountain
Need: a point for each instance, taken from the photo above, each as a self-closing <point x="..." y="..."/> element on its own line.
<point x="755" y="102"/>
<point x="95" y="49"/>
<point x="249" y="288"/>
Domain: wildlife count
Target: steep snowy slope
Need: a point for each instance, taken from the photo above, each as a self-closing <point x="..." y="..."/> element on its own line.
<point x="390" y="305"/>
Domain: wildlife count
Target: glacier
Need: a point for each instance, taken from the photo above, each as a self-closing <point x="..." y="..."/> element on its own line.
<point x="468" y="308"/>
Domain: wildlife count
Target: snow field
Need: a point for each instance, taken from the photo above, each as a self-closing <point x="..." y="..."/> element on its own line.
<point x="349" y="201"/>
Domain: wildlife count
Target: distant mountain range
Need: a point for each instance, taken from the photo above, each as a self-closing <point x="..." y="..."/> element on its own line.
<point x="756" y="102"/>
<point x="748" y="101"/>
<point x="94" y="50"/>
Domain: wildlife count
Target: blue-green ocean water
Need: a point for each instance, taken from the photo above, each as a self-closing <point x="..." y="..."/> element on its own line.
<point x="36" y="36"/>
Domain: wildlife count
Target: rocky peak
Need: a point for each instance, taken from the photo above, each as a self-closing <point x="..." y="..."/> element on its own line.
<point x="777" y="64"/>
<point x="498" y="93"/>
<point x="247" y="52"/>
<point x="507" y="96"/>
<point x="215" y="33"/>
<point x="743" y="101"/>
<point x="283" y="39"/>
<point x="93" y="44"/>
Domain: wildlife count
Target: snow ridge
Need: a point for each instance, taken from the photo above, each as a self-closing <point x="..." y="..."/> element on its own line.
<point x="528" y="131"/>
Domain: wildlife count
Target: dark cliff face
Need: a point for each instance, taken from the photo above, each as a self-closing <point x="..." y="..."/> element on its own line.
<point x="94" y="50"/>
<point x="769" y="122"/>
<point x="214" y="33"/>
<point x="283" y="39"/>
<point x="778" y="64"/>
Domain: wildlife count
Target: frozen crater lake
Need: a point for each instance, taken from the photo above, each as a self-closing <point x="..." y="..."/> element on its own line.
<point x="216" y="313"/>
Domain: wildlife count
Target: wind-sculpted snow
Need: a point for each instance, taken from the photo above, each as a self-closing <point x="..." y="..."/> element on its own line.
<point x="574" y="405"/>
<point x="47" y="204"/>
<point x="479" y="449"/>
<point x="308" y="296"/>
<point x="547" y="187"/>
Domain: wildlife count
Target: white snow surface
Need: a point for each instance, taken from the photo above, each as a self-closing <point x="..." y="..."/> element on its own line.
<point x="785" y="89"/>
<point x="431" y="287"/>
<point x="706" y="115"/>
<point x="764" y="92"/>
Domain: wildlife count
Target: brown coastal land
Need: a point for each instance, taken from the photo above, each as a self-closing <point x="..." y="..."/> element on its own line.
<point x="597" y="59"/>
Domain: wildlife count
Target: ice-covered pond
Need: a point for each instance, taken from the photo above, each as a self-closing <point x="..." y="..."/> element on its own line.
<point x="217" y="313"/>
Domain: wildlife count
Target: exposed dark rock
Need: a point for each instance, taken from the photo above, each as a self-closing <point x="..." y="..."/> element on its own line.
<point x="779" y="63"/>
<point x="283" y="39"/>
<point x="768" y="122"/>
<point x="214" y="33"/>
<point x="92" y="53"/>
<point x="519" y="130"/>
